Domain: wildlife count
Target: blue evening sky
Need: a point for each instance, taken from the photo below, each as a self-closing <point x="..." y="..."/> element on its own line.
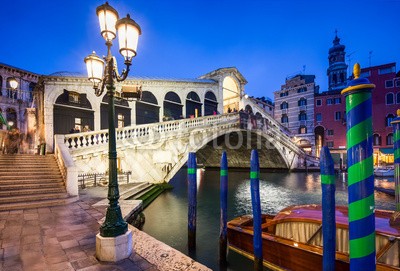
<point x="267" y="40"/>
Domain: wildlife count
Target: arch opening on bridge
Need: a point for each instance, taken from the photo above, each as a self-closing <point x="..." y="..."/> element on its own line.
<point x="193" y="105"/>
<point x="147" y="109"/>
<point x="172" y="106"/>
<point x="231" y="94"/>
<point x="210" y="104"/>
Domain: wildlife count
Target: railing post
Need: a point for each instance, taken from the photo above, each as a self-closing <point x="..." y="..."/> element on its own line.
<point x="360" y="173"/>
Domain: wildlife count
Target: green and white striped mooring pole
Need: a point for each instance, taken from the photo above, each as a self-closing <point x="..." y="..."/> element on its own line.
<point x="360" y="172"/>
<point x="395" y="219"/>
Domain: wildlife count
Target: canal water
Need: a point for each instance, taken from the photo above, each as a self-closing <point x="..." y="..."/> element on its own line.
<point x="166" y="217"/>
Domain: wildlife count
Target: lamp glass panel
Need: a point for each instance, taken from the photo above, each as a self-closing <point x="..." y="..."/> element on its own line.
<point x="107" y="20"/>
<point x="13" y="83"/>
<point x="128" y="36"/>
<point x="95" y="69"/>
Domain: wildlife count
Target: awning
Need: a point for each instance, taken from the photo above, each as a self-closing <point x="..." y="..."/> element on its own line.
<point x="386" y="150"/>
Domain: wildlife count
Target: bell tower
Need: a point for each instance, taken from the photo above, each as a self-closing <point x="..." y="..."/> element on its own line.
<point x="337" y="70"/>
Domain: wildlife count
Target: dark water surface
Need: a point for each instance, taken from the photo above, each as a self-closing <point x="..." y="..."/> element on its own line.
<point x="166" y="217"/>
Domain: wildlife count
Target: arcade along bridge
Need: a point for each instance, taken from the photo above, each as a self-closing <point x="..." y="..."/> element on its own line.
<point x="155" y="152"/>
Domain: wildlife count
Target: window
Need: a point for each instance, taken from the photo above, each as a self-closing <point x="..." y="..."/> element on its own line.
<point x="377" y="140"/>
<point x="388" y="83"/>
<point x="329" y="101"/>
<point x="398" y="97"/>
<point x="73" y="97"/>
<point x="302" y="116"/>
<point x="121" y="122"/>
<point x="284" y="94"/>
<point x="319" y="102"/>
<point x="389" y="119"/>
<point x="300" y="90"/>
<point x="397" y="82"/>
<point x="338" y="115"/>
<point x="341" y="77"/>
<point x="303" y="130"/>
<point x="318" y="117"/>
<point x="329" y="144"/>
<point x="389" y="98"/>
<point x="284" y="105"/>
<point x="386" y="70"/>
<point x="338" y="100"/>
<point x="284" y="119"/>
<point x="389" y="139"/>
<point x="302" y="102"/>
<point x="330" y="132"/>
<point x="335" y="79"/>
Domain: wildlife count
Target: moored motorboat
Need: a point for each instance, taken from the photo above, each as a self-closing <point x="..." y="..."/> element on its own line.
<point x="384" y="172"/>
<point x="292" y="239"/>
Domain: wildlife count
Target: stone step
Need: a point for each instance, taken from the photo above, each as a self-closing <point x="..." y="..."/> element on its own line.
<point x="12" y="193"/>
<point x="31" y="181"/>
<point x="32" y="198"/>
<point x="32" y="204"/>
<point x="142" y="192"/>
<point x="135" y="190"/>
<point x="22" y="171"/>
<point x="14" y="186"/>
<point x="31" y="177"/>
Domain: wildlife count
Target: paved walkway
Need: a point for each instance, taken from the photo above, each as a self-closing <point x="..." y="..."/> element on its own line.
<point x="57" y="238"/>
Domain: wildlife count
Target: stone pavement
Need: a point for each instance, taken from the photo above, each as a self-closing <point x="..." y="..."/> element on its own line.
<point x="64" y="238"/>
<point x="56" y="238"/>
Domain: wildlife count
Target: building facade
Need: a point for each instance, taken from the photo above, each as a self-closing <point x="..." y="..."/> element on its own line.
<point x="17" y="110"/>
<point x="294" y="109"/>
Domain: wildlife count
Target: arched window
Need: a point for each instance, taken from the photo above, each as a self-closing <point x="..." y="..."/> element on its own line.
<point x="389" y="119"/>
<point x="302" y="102"/>
<point x="210" y="104"/>
<point x="335" y="79"/>
<point x="389" y="139"/>
<point x="193" y="105"/>
<point x="172" y="106"/>
<point x="377" y="140"/>
<point x="284" y="105"/>
<point x="398" y="97"/>
<point x="284" y="119"/>
<point x="248" y="109"/>
<point x="302" y="116"/>
<point x="389" y="98"/>
<point x="147" y="109"/>
<point x="31" y="88"/>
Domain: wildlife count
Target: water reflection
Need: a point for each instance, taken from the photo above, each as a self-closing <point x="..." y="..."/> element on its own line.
<point x="166" y="217"/>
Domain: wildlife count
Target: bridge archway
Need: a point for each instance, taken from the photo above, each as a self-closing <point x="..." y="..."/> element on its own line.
<point x="210" y="104"/>
<point x="231" y="94"/>
<point x="172" y="106"/>
<point x="193" y="104"/>
<point x="147" y="109"/>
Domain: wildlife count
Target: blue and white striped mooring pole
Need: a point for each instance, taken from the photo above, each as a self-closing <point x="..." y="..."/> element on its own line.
<point x="192" y="200"/>
<point x="224" y="206"/>
<point x="360" y="172"/>
<point x="256" y="205"/>
<point x="328" y="210"/>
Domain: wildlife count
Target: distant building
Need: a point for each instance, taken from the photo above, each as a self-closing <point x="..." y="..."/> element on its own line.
<point x="265" y="104"/>
<point x="16" y="106"/>
<point x="294" y="109"/>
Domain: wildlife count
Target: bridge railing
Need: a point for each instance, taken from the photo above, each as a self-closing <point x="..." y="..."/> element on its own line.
<point x="147" y="133"/>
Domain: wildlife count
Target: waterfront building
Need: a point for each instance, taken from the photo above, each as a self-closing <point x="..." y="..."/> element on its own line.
<point x="294" y="109"/>
<point x="265" y="104"/>
<point x="17" y="110"/>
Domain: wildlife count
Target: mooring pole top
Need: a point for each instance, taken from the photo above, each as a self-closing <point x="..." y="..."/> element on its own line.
<point x="357" y="84"/>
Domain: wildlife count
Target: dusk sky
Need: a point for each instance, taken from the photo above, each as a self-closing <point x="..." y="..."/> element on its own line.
<point x="266" y="40"/>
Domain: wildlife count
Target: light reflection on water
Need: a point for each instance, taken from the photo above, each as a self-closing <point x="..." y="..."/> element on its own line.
<point x="166" y="217"/>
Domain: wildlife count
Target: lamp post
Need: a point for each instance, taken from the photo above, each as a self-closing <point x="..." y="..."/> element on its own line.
<point x="114" y="225"/>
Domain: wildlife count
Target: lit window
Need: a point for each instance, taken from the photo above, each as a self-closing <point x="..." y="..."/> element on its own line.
<point x="303" y="130"/>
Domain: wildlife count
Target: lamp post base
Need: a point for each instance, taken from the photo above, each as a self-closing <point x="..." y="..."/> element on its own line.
<point x="114" y="249"/>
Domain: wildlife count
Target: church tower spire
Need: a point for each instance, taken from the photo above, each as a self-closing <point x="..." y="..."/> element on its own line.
<point x="337" y="70"/>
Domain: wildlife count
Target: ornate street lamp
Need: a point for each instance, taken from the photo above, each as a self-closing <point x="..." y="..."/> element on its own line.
<point x="102" y="74"/>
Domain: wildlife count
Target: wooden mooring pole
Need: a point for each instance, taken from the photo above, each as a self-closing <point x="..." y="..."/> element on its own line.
<point x="224" y="206"/>
<point x="328" y="210"/>
<point x="192" y="200"/>
<point x="256" y="205"/>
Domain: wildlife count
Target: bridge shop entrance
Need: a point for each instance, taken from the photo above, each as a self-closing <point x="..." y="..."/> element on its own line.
<point x="210" y="104"/>
<point x="147" y="109"/>
<point x="172" y="107"/>
<point x="193" y="105"/>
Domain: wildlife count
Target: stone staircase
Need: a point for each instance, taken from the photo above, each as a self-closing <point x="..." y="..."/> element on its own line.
<point x="30" y="181"/>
